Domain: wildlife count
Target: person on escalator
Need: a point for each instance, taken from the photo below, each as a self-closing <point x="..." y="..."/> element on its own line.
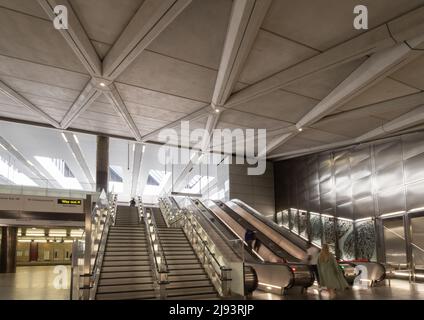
<point x="312" y="255"/>
<point x="257" y="244"/>
<point x="330" y="274"/>
<point x="249" y="237"/>
<point x="132" y="202"/>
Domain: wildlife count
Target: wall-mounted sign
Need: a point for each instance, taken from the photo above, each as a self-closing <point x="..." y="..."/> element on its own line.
<point x="40" y="204"/>
<point x="72" y="202"/>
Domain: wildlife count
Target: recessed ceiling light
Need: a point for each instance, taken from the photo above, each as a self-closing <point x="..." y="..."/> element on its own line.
<point x="102" y="84"/>
<point x="217" y="110"/>
<point x="300" y="129"/>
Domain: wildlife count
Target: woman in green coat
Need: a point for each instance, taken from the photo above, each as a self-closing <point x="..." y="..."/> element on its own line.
<point x="329" y="272"/>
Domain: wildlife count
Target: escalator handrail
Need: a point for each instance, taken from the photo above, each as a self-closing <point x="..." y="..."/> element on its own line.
<point x="155" y="256"/>
<point x="260" y="233"/>
<point x="286" y="234"/>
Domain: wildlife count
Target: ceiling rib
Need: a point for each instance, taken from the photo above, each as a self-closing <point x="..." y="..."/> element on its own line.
<point x="373" y="70"/>
<point x="88" y="95"/>
<point x="120" y="107"/>
<point x="150" y="20"/>
<point x="401" y="29"/>
<point x="138" y="158"/>
<point x="75" y="36"/>
<point x="15" y="96"/>
<point x="79" y="156"/>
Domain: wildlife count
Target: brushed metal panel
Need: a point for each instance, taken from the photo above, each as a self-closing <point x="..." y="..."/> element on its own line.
<point x="342" y="166"/>
<point x="345" y="210"/>
<point x="387" y="154"/>
<point x="314" y="205"/>
<point x="413" y="144"/>
<point x="362" y="188"/>
<point x="415" y="195"/>
<point x="361" y="169"/>
<point x="391" y="200"/>
<point x="389" y="176"/>
<point x="342" y="181"/>
<point x="314" y="192"/>
<point x="363" y="207"/>
<point x="326" y="186"/>
<point x="327" y="201"/>
<point x="343" y="194"/>
<point x="414" y="168"/>
<point x="359" y="154"/>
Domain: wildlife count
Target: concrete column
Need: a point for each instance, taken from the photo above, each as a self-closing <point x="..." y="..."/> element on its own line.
<point x="9" y="236"/>
<point x="102" y="164"/>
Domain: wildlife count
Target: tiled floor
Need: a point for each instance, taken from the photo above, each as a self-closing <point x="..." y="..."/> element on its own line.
<point x="398" y="290"/>
<point x="33" y="283"/>
<point x="37" y="283"/>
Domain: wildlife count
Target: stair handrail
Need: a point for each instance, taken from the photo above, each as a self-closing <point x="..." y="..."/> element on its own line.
<point x="160" y="264"/>
<point x="222" y="273"/>
<point x="101" y="219"/>
<point x="98" y="262"/>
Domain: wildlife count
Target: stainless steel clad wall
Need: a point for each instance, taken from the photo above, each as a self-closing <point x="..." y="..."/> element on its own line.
<point x="361" y="181"/>
<point x="255" y="190"/>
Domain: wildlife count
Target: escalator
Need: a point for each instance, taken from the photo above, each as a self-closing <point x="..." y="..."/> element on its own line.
<point x="269" y="264"/>
<point x="375" y="272"/>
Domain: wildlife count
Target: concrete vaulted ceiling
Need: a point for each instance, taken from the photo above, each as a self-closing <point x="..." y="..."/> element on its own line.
<point x="281" y="65"/>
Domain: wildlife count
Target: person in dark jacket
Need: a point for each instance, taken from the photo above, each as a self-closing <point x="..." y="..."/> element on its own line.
<point x="132" y="202"/>
<point x="249" y="237"/>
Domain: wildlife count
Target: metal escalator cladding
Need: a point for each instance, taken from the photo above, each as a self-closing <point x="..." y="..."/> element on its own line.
<point x="273" y="253"/>
<point x="126" y="270"/>
<point x="250" y="279"/>
<point x="157" y="213"/>
<point x="188" y="279"/>
<point x="205" y="214"/>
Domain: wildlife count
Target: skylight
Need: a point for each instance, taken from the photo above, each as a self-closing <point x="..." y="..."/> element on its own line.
<point x="60" y="172"/>
<point x="9" y="172"/>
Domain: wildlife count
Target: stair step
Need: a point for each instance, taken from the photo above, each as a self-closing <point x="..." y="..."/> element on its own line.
<point x="183" y="272"/>
<point x="125" y="288"/>
<point x="148" y="294"/>
<point x="126" y="253"/>
<point x="113" y="263"/>
<point x="190" y="277"/>
<point x="127" y="241"/>
<point x="126" y="237"/>
<point x="126" y="274"/>
<point x="174" y="262"/>
<point x="187" y="256"/>
<point x="189" y="284"/>
<point x="124" y="247"/>
<point x="184" y="266"/>
<point x="125" y="268"/>
<point x="126" y="258"/>
<point x="123" y="281"/>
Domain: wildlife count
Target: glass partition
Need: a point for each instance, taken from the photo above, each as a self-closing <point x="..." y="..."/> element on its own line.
<point x="303" y="224"/>
<point x="294" y="221"/>
<point x="329" y="234"/>
<point x="346" y="239"/>
<point x="365" y="240"/>
<point x="316" y="228"/>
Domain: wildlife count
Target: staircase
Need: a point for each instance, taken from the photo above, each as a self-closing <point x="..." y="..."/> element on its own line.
<point x="126" y="271"/>
<point x="188" y="280"/>
<point x="157" y="214"/>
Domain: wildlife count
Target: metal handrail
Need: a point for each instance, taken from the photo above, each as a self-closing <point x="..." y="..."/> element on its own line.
<point x="98" y="262"/>
<point x="190" y="224"/>
<point x="162" y="270"/>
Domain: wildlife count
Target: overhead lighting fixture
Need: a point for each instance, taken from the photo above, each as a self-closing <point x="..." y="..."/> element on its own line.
<point x="3" y="147"/>
<point x="30" y="163"/>
<point x="64" y="137"/>
<point x="392" y="214"/>
<point x="364" y="219"/>
<point x="217" y="110"/>
<point x="417" y="209"/>
<point x="144" y="148"/>
<point x="102" y="84"/>
<point x="133" y="147"/>
<point x="300" y="129"/>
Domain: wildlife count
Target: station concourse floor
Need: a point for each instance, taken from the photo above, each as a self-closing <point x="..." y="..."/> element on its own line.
<point x="36" y="283"/>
